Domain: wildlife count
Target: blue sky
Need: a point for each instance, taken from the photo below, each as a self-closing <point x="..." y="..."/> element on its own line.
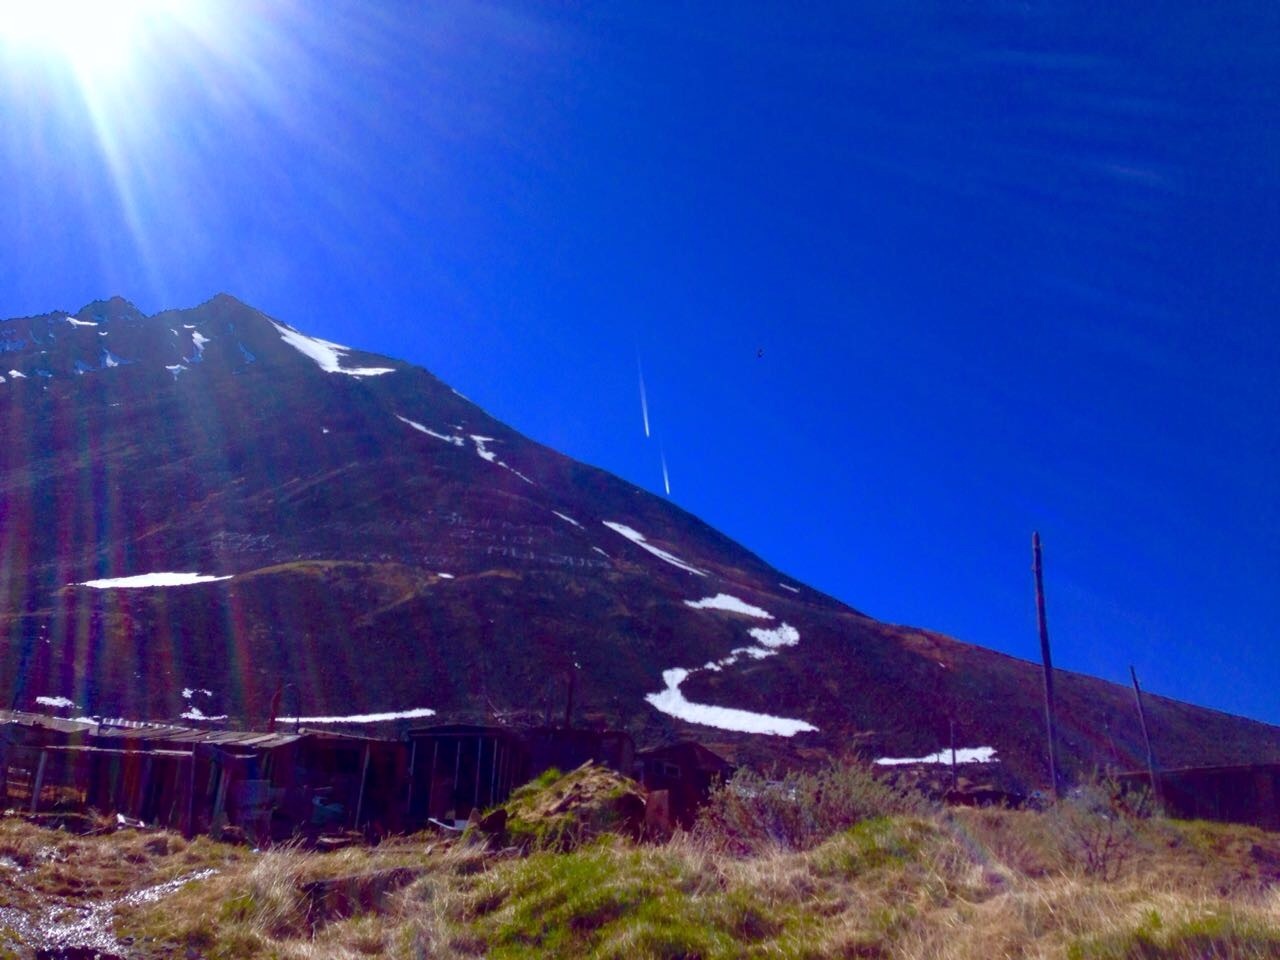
<point x="907" y="281"/>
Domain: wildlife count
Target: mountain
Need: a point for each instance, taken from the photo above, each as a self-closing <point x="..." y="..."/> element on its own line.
<point x="370" y="542"/>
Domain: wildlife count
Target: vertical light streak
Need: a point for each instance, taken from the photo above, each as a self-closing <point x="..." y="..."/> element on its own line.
<point x="644" y="400"/>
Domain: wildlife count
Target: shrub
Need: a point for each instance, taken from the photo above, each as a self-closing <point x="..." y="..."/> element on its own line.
<point x="1099" y="825"/>
<point x="750" y="814"/>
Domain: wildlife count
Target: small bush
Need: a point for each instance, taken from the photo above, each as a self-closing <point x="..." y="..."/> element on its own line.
<point x="751" y="814"/>
<point x="1099" y="827"/>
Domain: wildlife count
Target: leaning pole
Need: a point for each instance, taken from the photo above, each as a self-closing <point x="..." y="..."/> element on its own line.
<point x="1038" y="567"/>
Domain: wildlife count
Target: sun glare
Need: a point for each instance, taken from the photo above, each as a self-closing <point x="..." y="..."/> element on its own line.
<point x="93" y="36"/>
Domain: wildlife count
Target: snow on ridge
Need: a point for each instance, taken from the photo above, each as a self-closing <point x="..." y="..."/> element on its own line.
<point x="414" y="714"/>
<point x="964" y="755"/>
<point x="18" y="374"/>
<point x="638" y="539"/>
<point x="189" y="692"/>
<point x="724" y="601"/>
<point x="787" y="586"/>
<point x="80" y="323"/>
<point x="673" y="703"/>
<point x="456" y="441"/>
<point x="327" y="355"/>
<point x="60" y="703"/>
<point x="486" y="454"/>
<point x="784" y="636"/>
<point x="445" y="576"/>
<point x="142" y="580"/>
<point x="567" y="519"/>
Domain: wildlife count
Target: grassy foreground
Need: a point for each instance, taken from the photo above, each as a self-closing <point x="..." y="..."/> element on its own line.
<point x="753" y="880"/>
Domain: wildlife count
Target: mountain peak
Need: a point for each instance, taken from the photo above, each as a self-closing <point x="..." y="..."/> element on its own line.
<point x="209" y="503"/>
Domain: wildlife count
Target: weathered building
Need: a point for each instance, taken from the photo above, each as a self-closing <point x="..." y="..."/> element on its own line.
<point x="454" y="769"/>
<point x="686" y="771"/>
<point x="272" y="785"/>
<point x="1248" y="793"/>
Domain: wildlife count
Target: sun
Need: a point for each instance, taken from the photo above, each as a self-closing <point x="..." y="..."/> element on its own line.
<point x="93" y="37"/>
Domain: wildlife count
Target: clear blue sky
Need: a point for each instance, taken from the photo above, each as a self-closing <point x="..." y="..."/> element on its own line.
<point x="1011" y="266"/>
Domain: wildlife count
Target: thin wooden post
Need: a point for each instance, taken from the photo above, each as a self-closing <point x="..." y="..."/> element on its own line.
<point x="189" y="828"/>
<point x="1146" y="736"/>
<point x="954" y="782"/>
<point x="220" y="797"/>
<point x="431" y="772"/>
<point x="408" y="800"/>
<point x="493" y="774"/>
<point x="364" y="775"/>
<point x="39" y="781"/>
<point x="1038" y="567"/>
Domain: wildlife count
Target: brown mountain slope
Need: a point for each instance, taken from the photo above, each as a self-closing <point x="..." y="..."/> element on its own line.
<point x="389" y="546"/>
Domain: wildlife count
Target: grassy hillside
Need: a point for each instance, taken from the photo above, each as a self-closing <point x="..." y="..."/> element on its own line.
<point x="814" y="868"/>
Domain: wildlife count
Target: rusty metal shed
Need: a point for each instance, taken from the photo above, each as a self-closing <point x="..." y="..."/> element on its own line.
<point x="457" y="768"/>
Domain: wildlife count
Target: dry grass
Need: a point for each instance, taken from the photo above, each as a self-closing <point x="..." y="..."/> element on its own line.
<point x="958" y="885"/>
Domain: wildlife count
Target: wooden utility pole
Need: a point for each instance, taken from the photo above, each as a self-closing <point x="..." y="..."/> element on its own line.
<point x="1038" y="567"/>
<point x="1146" y="735"/>
<point x="568" y="707"/>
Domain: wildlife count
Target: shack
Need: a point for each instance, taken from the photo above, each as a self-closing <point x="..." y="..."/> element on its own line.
<point x="686" y="771"/>
<point x="270" y="785"/>
<point x="48" y="763"/>
<point x="1246" y="793"/>
<point x="457" y="768"/>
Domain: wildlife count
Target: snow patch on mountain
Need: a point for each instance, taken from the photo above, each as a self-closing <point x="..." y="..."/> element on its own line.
<point x="639" y="540"/>
<point x="784" y="636"/>
<point x="724" y="601"/>
<point x="143" y="580"/>
<point x="327" y="356"/>
<point x="567" y="519"/>
<point x="80" y="323"/>
<point x="17" y="374"/>
<point x="673" y="703"/>
<point x="195" y="713"/>
<point x="786" y="586"/>
<point x="415" y="714"/>
<point x="456" y="441"/>
<point x="486" y="454"/>
<point x="58" y="703"/>
<point x="198" y="341"/>
<point x="964" y="755"/>
<point x="189" y="692"/>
